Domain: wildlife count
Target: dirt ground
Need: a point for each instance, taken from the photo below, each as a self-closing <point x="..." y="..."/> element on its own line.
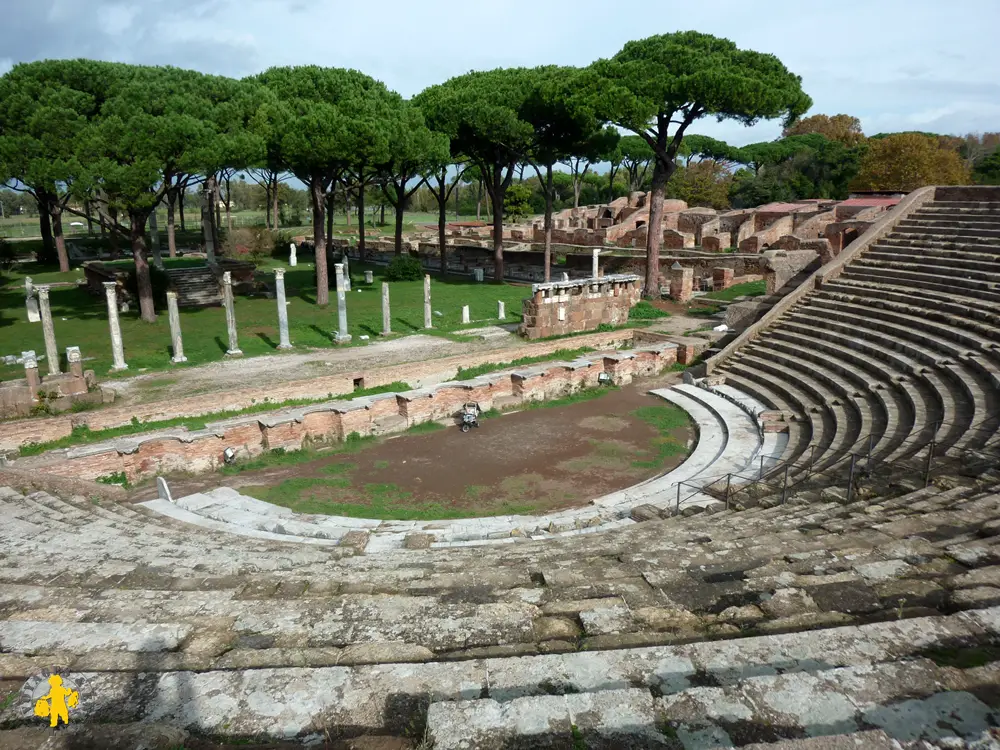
<point x="530" y="461"/>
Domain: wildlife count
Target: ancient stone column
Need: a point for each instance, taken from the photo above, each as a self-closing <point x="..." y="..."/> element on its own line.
<point x="342" y="336"/>
<point x="117" y="350"/>
<point x="681" y="283"/>
<point x="30" y="302"/>
<point x="48" y="331"/>
<point x="293" y="255"/>
<point x="427" y="301"/>
<point x="175" y="329"/>
<point x="595" y="269"/>
<point x="386" y="319"/>
<point x="154" y="240"/>
<point x="229" y="302"/>
<point x="347" y="273"/>
<point x="75" y="361"/>
<point x="31" y="373"/>
<point x="501" y="310"/>
<point x="279" y="293"/>
<point x="465" y="314"/>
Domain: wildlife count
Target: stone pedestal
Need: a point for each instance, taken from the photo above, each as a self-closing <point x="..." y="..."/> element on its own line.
<point x="229" y="303"/>
<point x="681" y="283"/>
<point x="478" y="274"/>
<point x="595" y="268"/>
<point x="386" y="317"/>
<point x="501" y="311"/>
<point x="75" y="361"/>
<point x="30" y="302"/>
<point x="722" y="278"/>
<point x="427" y="301"/>
<point x="117" y="349"/>
<point x="279" y="293"/>
<point x="292" y="255"/>
<point x="176" y="341"/>
<point x="465" y="314"/>
<point x="31" y="373"/>
<point x="369" y="277"/>
<point x="48" y="331"/>
<point x="565" y="276"/>
<point x="342" y="336"/>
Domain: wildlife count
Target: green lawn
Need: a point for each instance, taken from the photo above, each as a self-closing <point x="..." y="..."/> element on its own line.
<point x="81" y="319"/>
<point x="749" y="289"/>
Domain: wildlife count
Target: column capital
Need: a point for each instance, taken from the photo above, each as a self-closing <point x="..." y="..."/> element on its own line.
<point x="227" y="277"/>
<point x="109" y="285"/>
<point x="171" y="295"/>
<point x="43" y="291"/>
<point x="279" y="273"/>
<point x="73" y="354"/>
<point x="30" y="360"/>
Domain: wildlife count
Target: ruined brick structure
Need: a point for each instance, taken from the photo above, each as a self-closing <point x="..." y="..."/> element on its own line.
<point x="558" y="308"/>
<point x="141" y="456"/>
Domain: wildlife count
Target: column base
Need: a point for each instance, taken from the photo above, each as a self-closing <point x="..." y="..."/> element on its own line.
<point x="178" y="360"/>
<point x="341" y="340"/>
<point x="285" y="346"/>
<point x="118" y="369"/>
<point x="234" y="353"/>
<point x="385" y="333"/>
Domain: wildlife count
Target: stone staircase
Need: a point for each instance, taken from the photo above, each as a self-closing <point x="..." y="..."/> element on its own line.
<point x="669" y="631"/>
<point x="195" y="287"/>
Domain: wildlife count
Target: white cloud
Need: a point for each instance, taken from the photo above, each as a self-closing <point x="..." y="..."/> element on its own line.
<point x="896" y="64"/>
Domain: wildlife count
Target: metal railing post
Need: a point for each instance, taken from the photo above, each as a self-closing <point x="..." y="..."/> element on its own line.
<point x="812" y="460"/>
<point x="679" y="498"/>
<point x="761" y="474"/>
<point x="850" y="479"/>
<point x="927" y="468"/>
<point x="729" y="480"/>
<point x="871" y="441"/>
<point x="784" y="486"/>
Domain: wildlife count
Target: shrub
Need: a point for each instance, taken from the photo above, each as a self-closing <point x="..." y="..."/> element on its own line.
<point x="249" y="243"/>
<point x="644" y="310"/>
<point x="404" y="268"/>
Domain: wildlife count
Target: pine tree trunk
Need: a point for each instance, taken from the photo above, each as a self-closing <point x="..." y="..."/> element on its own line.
<point x="456" y="198"/>
<point x="654" y="232"/>
<point x="216" y="214"/>
<point x="137" y="234"/>
<point x="90" y="220"/>
<point x="171" y="229"/>
<point x="45" y="226"/>
<point x="329" y="221"/>
<point x="181" y="192"/>
<point x="275" y="213"/>
<point x="400" y="202"/>
<point x="361" y="221"/>
<point x="381" y="216"/>
<point x="442" y="221"/>
<point x="229" y="205"/>
<point x="57" y="234"/>
<point x="548" y="222"/>
<point x="497" y="195"/>
<point x="322" y="274"/>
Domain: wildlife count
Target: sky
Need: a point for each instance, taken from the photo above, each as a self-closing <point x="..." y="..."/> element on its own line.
<point x="896" y="64"/>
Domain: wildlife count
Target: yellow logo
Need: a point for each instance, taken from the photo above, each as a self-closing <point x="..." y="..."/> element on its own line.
<point x="50" y="696"/>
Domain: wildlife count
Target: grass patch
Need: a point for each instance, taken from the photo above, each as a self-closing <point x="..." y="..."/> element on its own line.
<point x="644" y="310"/>
<point x="118" y="478"/>
<point x="83" y="435"/>
<point x="487" y="367"/>
<point x="664" y="419"/>
<point x="425" y="427"/>
<point x="703" y="312"/>
<point x="748" y="289"/>
<point x="963" y="658"/>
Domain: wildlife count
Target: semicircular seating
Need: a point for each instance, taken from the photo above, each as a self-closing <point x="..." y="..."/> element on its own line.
<point x="897" y="353"/>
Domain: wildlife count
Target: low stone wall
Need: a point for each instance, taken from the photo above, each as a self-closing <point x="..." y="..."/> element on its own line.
<point x="142" y="456"/>
<point x="45" y="429"/>
<point x="559" y="308"/>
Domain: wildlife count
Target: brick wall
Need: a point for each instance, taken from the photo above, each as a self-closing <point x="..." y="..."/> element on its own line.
<point x="559" y="308"/>
<point x="142" y="456"/>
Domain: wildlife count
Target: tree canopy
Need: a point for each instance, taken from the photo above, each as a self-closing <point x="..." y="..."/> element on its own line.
<point x="905" y="161"/>
<point x="658" y="86"/>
